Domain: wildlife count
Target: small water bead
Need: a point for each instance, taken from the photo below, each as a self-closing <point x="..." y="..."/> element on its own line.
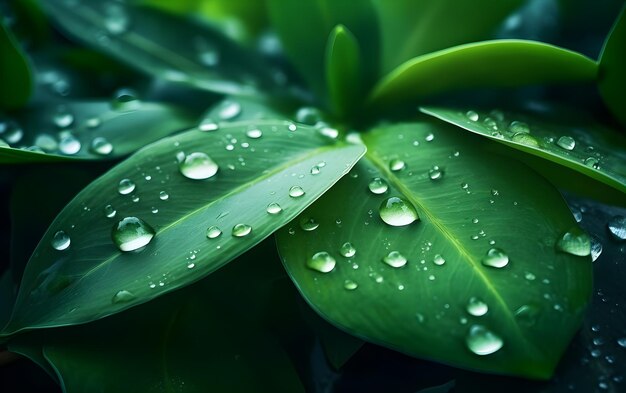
<point x="274" y="208"/>
<point x="350" y="285"/>
<point x="435" y="173"/>
<point x="529" y="276"/>
<point x="126" y="186"/>
<point x="519" y="127"/>
<point x="229" y="110"/>
<point x="315" y="170"/>
<point x="430" y="137"/>
<point x="135" y="198"/>
<point x="617" y="227"/>
<point x="397" y="212"/>
<point x="123" y="296"/>
<point x="101" y="146"/>
<point x="490" y="124"/>
<point x="495" y="257"/>
<point x="125" y="99"/>
<point x="164" y="196"/>
<point x="154" y="210"/>
<point x="60" y="241"/>
<point x="476" y="307"/>
<point x="69" y="145"/>
<point x="322" y="262"/>
<point x="347" y="250"/>
<point x="621" y="342"/>
<point x="378" y="186"/>
<point x="63" y="118"/>
<point x="11" y="132"/>
<point x="596" y="248"/>
<point x="93" y="122"/>
<point x="109" y="211"/>
<point x="254" y="134"/>
<point x="241" y="230"/>
<point x="482" y="341"/>
<point x="308" y="224"/>
<point x="213" y="232"/>
<point x="472" y="115"/>
<point x="439" y="260"/>
<point x="566" y="142"/>
<point x="396" y="165"/>
<point x="46" y="142"/>
<point x="395" y="259"/>
<point x="132" y="233"/>
<point x="198" y="166"/>
<point x="592" y="162"/>
<point x="296" y="192"/>
<point x="207" y="125"/>
<point x="575" y="242"/>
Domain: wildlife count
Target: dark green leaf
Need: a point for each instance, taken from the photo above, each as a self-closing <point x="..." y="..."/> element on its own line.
<point x="413" y="28"/>
<point x="585" y="150"/>
<point x="498" y="63"/>
<point x="471" y="203"/>
<point x="184" y="52"/>
<point x="15" y="74"/>
<point x="343" y="71"/>
<point x="257" y="163"/>
<point x="612" y="82"/>
<point x="99" y="130"/>
<point x="7" y="296"/>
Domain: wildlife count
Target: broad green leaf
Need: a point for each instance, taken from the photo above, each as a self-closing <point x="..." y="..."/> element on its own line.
<point x="185" y="51"/>
<point x="304" y="27"/>
<point x="498" y="63"/>
<point x="413" y="28"/>
<point x="15" y="73"/>
<point x="441" y="294"/>
<point x="612" y="66"/>
<point x="591" y="156"/>
<point x="172" y="186"/>
<point x="88" y="130"/>
<point x="343" y="71"/>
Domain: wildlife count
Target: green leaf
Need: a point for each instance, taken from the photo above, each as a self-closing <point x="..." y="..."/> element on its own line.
<point x="343" y="71"/>
<point x="99" y="129"/>
<point x="15" y="73"/>
<point x="185" y="52"/>
<point x="257" y="163"/>
<point x="413" y="28"/>
<point x="498" y="63"/>
<point x="589" y="156"/>
<point x="471" y="203"/>
<point x="612" y="66"/>
<point x="7" y="296"/>
<point x="305" y="39"/>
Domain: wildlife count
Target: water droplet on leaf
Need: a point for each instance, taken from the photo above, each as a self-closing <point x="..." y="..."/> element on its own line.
<point x="60" y="241"/>
<point x="575" y="242"/>
<point x="109" y="211"/>
<point x="347" y="250"/>
<point x="495" y="258"/>
<point x="435" y="173"/>
<point x="476" y="307"/>
<point x="212" y="232"/>
<point x="274" y="208"/>
<point x="123" y="296"/>
<point x="395" y="259"/>
<point x="308" y="224"/>
<point x="397" y="212"/>
<point x="198" y="166"/>
<point x="439" y="260"/>
<point x="126" y="186"/>
<point x="132" y="233"/>
<point x="296" y="192"/>
<point x="241" y="230"/>
<point x="566" y="142"/>
<point x="617" y="227"/>
<point x="350" y="285"/>
<point x="322" y="262"/>
<point x="482" y="341"/>
<point x="396" y="165"/>
<point x="378" y="186"/>
<point x="101" y="146"/>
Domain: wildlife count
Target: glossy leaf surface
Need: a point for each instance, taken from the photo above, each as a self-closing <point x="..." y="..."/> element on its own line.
<point x="476" y="281"/>
<point x="186" y="52"/>
<point x="15" y="74"/>
<point x="612" y="80"/>
<point x="90" y="130"/>
<point x="179" y="194"/>
<point x="583" y="149"/>
<point x="343" y="70"/>
<point x="498" y="63"/>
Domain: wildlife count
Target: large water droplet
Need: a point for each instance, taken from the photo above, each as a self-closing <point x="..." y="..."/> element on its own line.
<point x="476" y="307"/>
<point x="617" y="227"/>
<point x="296" y="192"/>
<point x="482" y="341"/>
<point x="69" y="145"/>
<point x="208" y="124"/>
<point x="198" y="166"/>
<point x="212" y="232"/>
<point x="575" y="242"/>
<point x="163" y="196"/>
<point x="435" y="173"/>
<point x="308" y="224"/>
<point x="228" y="110"/>
<point x="60" y="241"/>
<point x="471" y="116"/>
<point x="322" y="262"/>
<point x="63" y="118"/>
<point x="519" y="127"/>
<point x="274" y="208"/>
<point x="495" y="258"/>
<point x="109" y="211"/>
<point x="395" y="259"/>
<point x="101" y="146"/>
<point x="439" y="260"/>
<point x="566" y="142"/>
<point x="123" y="296"/>
<point x="11" y="132"/>
<point x="132" y="233"/>
<point x="241" y="230"/>
<point x="378" y="186"/>
<point x="350" y="285"/>
<point x="526" y="139"/>
<point x="254" y="133"/>
<point x="397" y="212"/>
<point x="347" y="250"/>
<point x="125" y="187"/>
<point x="396" y="165"/>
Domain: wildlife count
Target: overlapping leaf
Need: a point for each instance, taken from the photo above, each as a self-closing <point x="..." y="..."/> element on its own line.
<point x="612" y="80"/>
<point x="441" y="294"/>
<point x="343" y="71"/>
<point x="15" y="74"/>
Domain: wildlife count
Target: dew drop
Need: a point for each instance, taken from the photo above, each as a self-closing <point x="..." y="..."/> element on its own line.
<point x="395" y="259"/>
<point x="254" y="134"/>
<point x="350" y="285"/>
<point x="575" y="242"/>
<point x="439" y="260"/>
<point x="229" y="110"/>
<point x="378" y="186"/>
<point x="69" y="145"/>
<point x="482" y="341"/>
<point x="208" y="124"/>
<point x="125" y="99"/>
<point x="163" y="196"/>
<point x="198" y="166"/>
<point x="495" y="257"/>
<point x="308" y="115"/>
<point x="347" y="250"/>
<point x="435" y="173"/>
<point x="101" y="146"/>
<point x="315" y="170"/>
<point x="592" y="162"/>
<point x="126" y="186"/>
<point x="476" y="307"/>
<point x="308" y="224"/>
<point x="596" y="248"/>
<point x="396" y="165"/>
<point x="529" y="276"/>
<point x="132" y="233"/>
<point x="63" y="118"/>
<point x="430" y="137"/>
<point x="519" y="127"/>
<point x="617" y="227"/>
<point x="213" y="232"/>
<point x="123" y="296"/>
<point x="296" y="192"/>
<point x="472" y="115"/>
<point x="397" y="212"/>
<point x="274" y="208"/>
<point x="241" y="230"/>
<point x="566" y="142"/>
<point x="621" y="342"/>
<point x="525" y="139"/>
<point x="109" y="211"/>
<point x="322" y="262"/>
<point x="93" y="122"/>
<point x="11" y="132"/>
<point x="60" y="241"/>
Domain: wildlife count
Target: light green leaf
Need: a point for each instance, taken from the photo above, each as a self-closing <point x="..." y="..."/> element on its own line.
<point x="413" y="28"/>
<point x="343" y="71"/>
<point x="89" y="130"/>
<point x="474" y="214"/>
<point x="185" y="52"/>
<point x="15" y="73"/>
<point x="498" y="63"/>
<point x="257" y="163"/>
<point x="612" y="74"/>
<point x="590" y="157"/>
